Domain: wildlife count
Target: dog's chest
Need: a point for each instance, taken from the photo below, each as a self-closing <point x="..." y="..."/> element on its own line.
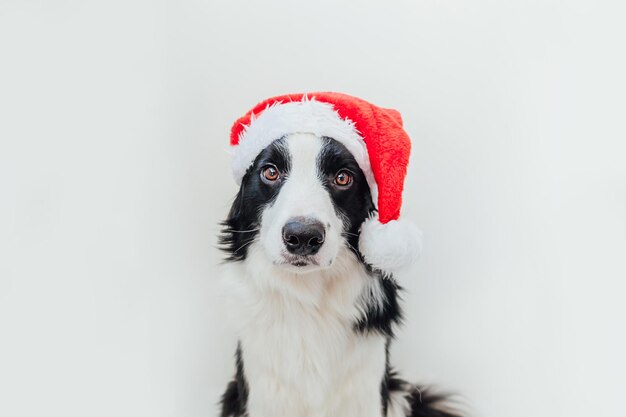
<point x="301" y="354"/>
<point x="302" y="361"/>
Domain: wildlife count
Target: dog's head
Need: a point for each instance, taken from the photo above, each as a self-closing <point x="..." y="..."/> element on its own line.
<point x="321" y="181"/>
<point x="301" y="203"/>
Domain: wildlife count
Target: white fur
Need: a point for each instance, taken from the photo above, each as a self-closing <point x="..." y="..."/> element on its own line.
<point x="306" y="116"/>
<point x="301" y="355"/>
<point x="391" y="246"/>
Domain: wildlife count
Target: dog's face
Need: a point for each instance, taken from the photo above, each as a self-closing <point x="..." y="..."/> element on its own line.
<point x="303" y="200"/>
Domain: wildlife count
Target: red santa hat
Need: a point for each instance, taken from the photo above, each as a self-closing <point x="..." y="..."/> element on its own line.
<point x="373" y="135"/>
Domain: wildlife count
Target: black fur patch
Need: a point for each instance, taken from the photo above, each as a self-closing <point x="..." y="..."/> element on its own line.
<point x="422" y="401"/>
<point x="243" y="222"/>
<point x="385" y="387"/>
<point x="235" y="399"/>
<point x="353" y="205"/>
<point x="383" y="320"/>
<point x="425" y="403"/>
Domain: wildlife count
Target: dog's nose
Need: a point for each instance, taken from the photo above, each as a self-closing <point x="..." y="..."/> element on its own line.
<point x="303" y="236"/>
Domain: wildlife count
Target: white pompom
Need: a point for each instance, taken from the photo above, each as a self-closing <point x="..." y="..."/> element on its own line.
<point x="391" y="246"/>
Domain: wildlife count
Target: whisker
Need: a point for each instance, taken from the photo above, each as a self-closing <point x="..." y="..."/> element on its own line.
<point x="243" y="231"/>
<point x="244" y="245"/>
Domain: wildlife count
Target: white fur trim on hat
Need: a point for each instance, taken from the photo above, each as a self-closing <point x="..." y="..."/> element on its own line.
<point x="306" y="116"/>
<point x="391" y="246"/>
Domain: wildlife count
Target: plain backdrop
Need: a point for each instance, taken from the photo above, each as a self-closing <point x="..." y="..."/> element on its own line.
<point x="114" y="174"/>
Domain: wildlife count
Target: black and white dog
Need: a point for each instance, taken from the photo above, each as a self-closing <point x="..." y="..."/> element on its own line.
<point x="315" y="319"/>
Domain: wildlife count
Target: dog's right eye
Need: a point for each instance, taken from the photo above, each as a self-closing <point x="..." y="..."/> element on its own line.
<point x="269" y="173"/>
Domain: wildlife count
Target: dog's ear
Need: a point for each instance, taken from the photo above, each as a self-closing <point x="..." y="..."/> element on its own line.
<point x="237" y="231"/>
<point x="237" y="206"/>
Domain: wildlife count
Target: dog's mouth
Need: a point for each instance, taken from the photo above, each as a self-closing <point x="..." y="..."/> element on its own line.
<point x="298" y="261"/>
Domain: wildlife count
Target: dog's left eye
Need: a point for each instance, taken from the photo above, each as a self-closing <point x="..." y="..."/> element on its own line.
<point x="343" y="179"/>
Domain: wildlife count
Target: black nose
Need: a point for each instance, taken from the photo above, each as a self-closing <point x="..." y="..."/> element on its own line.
<point x="303" y="236"/>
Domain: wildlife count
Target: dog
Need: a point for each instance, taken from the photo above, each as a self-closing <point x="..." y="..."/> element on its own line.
<point x="315" y="320"/>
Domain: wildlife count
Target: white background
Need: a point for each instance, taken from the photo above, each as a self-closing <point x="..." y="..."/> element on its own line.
<point x="114" y="173"/>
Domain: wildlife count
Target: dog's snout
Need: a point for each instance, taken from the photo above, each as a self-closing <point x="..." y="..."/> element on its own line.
<point x="303" y="236"/>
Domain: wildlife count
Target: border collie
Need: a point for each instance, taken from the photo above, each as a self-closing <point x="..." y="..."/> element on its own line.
<point x="315" y="320"/>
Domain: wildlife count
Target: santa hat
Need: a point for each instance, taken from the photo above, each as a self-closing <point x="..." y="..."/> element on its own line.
<point x="375" y="138"/>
